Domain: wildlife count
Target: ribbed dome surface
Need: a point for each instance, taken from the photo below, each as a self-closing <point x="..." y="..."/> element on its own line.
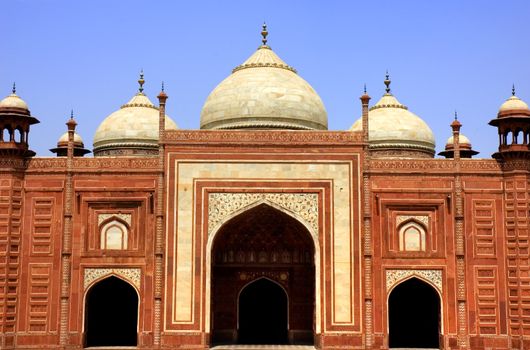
<point x="264" y="93"/>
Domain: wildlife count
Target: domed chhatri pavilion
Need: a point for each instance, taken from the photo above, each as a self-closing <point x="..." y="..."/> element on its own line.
<point x="263" y="228"/>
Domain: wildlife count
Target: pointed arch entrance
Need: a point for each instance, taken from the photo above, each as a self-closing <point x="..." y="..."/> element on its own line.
<point x="262" y="276"/>
<point x="414" y="315"/>
<point x="111" y="314"/>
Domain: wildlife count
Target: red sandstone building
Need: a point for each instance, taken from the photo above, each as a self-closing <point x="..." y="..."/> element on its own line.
<point x="264" y="227"/>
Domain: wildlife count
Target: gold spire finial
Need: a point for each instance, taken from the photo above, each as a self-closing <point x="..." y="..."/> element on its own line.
<point x="513" y="89"/>
<point x="14" y="90"/>
<point x="141" y="81"/>
<point x="264" y="34"/>
<point x="387" y="82"/>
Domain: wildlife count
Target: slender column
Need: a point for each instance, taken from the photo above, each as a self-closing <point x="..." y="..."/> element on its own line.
<point x="463" y="342"/>
<point x="367" y="228"/>
<point x="66" y="254"/>
<point x="160" y="230"/>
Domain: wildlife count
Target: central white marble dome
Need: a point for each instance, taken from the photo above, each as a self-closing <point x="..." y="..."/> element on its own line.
<point x="264" y="93"/>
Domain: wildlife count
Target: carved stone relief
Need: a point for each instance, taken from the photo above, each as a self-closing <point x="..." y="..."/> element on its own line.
<point x="222" y="205"/>
<point x="394" y="276"/>
<point x="132" y="275"/>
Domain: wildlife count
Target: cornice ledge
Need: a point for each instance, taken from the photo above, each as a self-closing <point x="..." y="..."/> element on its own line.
<point x="252" y="137"/>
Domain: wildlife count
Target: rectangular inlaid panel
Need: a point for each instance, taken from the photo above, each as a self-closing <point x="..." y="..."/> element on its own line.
<point x="484" y="228"/>
<point x="38" y="301"/>
<point x="340" y="173"/>
<point x="41" y="226"/>
<point x="486" y="299"/>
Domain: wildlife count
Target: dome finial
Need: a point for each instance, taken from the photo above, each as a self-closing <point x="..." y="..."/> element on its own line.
<point x="365" y="88"/>
<point x="456" y="116"/>
<point x="162" y="86"/>
<point x="387" y="82"/>
<point x="513" y="89"/>
<point x="141" y="81"/>
<point x="14" y="90"/>
<point x="264" y="34"/>
<point x="72" y="114"/>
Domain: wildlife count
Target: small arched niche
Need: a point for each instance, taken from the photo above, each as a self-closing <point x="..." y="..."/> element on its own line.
<point x="114" y="234"/>
<point x="412" y="237"/>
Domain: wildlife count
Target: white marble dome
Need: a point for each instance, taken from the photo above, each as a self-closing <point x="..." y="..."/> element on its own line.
<point x="393" y="127"/>
<point x="264" y="93"/>
<point x="131" y="129"/>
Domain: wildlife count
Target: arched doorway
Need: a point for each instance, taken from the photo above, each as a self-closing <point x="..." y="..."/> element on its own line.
<point x="262" y="313"/>
<point x="414" y="315"/>
<point x="111" y="314"/>
<point x="255" y="256"/>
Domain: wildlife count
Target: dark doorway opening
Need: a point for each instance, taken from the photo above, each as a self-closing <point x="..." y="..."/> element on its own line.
<point x="111" y="314"/>
<point x="262" y="313"/>
<point x="414" y="314"/>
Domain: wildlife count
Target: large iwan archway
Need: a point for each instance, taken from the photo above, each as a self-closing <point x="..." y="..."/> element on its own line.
<point x="262" y="277"/>
<point x="414" y="315"/>
<point x="111" y="314"/>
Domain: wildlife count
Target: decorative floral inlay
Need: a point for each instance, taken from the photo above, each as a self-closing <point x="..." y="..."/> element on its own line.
<point x="424" y="219"/>
<point x="221" y="205"/>
<point x="124" y="217"/>
<point x="393" y="277"/>
<point x="132" y="275"/>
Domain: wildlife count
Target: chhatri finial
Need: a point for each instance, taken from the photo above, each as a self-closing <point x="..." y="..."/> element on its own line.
<point x="72" y="114"/>
<point x="14" y="90"/>
<point x="456" y="115"/>
<point x="365" y="88"/>
<point x="141" y="81"/>
<point x="513" y="89"/>
<point x="387" y="82"/>
<point x="162" y="86"/>
<point x="264" y="34"/>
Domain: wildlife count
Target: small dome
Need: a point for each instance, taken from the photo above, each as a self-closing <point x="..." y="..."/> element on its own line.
<point x="462" y="139"/>
<point x="62" y="145"/>
<point x="264" y="93"/>
<point x="13" y="101"/>
<point x="64" y="139"/>
<point x="395" y="131"/>
<point x="131" y="130"/>
<point x="513" y="103"/>
<point x="466" y="151"/>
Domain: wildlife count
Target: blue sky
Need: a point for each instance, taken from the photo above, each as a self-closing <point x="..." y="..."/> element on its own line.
<point x="442" y="56"/>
